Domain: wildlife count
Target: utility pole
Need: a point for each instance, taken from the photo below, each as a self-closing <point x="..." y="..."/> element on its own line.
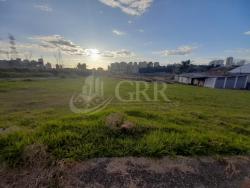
<point x="13" y="51"/>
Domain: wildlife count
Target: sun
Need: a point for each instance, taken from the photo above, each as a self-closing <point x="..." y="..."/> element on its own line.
<point x="93" y="54"/>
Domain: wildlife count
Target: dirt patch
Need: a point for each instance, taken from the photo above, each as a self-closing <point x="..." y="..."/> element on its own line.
<point x="114" y="120"/>
<point x="133" y="172"/>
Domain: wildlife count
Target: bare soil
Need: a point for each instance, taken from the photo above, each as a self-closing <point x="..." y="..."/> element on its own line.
<point x="133" y="172"/>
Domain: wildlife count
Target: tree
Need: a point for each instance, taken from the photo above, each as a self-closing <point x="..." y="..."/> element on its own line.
<point x="100" y="69"/>
<point x="58" y="66"/>
<point x="58" y="58"/>
<point x="81" y="67"/>
<point x="185" y="63"/>
<point x="48" y="65"/>
<point x="185" y="66"/>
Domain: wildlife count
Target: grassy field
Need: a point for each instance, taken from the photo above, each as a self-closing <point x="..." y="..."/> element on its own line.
<point x="195" y="121"/>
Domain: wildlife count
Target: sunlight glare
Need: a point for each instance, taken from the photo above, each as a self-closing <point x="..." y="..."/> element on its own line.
<point x="93" y="53"/>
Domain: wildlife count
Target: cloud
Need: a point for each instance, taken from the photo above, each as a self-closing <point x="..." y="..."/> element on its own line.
<point x="141" y="30"/>
<point x="59" y="42"/>
<point x="119" y="33"/>
<point x="130" y="7"/>
<point x="182" y="50"/>
<point x="91" y="51"/>
<point x="3" y="51"/>
<point x="124" y="53"/>
<point x="247" y="33"/>
<point x="53" y="43"/>
<point x="117" y="54"/>
<point x="130" y="22"/>
<point x="6" y="52"/>
<point x="43" y="7"/>
<point x="239" y="50"/>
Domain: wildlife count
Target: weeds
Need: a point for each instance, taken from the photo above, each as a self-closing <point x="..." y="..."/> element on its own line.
<point x="205" y="122"/>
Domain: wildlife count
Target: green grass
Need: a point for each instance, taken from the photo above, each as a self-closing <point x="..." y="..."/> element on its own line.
<point x="196" y="121"/>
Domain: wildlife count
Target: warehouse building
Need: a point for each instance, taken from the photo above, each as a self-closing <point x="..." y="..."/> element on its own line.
<point x="234" y="81"/>
<point x="228" y="82"/>
<point x="245" y="69"/>
<point x="197" y="79"/>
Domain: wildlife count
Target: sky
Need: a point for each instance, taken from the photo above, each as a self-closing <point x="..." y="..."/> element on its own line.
<point x="99" y="32"/>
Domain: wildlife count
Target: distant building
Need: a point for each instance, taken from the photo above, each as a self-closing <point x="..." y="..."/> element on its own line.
<point x="228" y="82"/>
<point x="26" y="61"/>
<point x="191" y="78"/>
<point x="229" y="61"/>
<point x="123" y="67"/>
<point x="156" y="64"/>
<point x="48" y="66"/>
<point x="119" y="68"/>
<point x="135" y="68"/>
<point x="131" y="67"/>
<point x="100" y="69"/>
<point x="58" y="67"/>
<point x="4" y="64"/>
<point x="220" y="82"/>
<point x="241" y="62"/>
<point x="217" y="63"/>
<point x="143" y="64"/>
<point x="18" y="63"/>
<point x="40" y="60"/>
<point x="150" y="65"/>
<point x="19" y="60"/>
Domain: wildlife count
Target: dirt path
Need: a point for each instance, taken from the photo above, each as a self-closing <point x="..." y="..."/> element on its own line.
<point x="135" y="172"/>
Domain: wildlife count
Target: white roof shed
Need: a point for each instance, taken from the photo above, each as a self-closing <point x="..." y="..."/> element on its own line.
<point x="245" y="69"/>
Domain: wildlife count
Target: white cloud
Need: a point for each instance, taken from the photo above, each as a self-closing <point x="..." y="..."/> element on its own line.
<point x="4" y="52"/>
<point x="50" y="44"/>
<point x="59" y="42"/>
<point x="118" y="54"/>
<point x="130" y="22"/>
<point x="124" y="53"/>
<point x="182" y="50"/>
<point x="141" y="30"/>
<point x="239" y="51"/>
<point x="119" y="33"/>
<point x="247" y="33"/>
<point x="90" y="51"/>
<point x="43" y="7"/>
<point x="21" y="49"/>
<point x="131" y="7"/>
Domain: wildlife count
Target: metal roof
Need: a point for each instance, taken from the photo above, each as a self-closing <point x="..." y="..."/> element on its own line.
<point x="195" y="75"/>
<point x="245" y="69"/>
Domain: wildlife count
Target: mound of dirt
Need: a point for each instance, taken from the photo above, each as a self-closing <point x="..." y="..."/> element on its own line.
<point x="116" y="121"/>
